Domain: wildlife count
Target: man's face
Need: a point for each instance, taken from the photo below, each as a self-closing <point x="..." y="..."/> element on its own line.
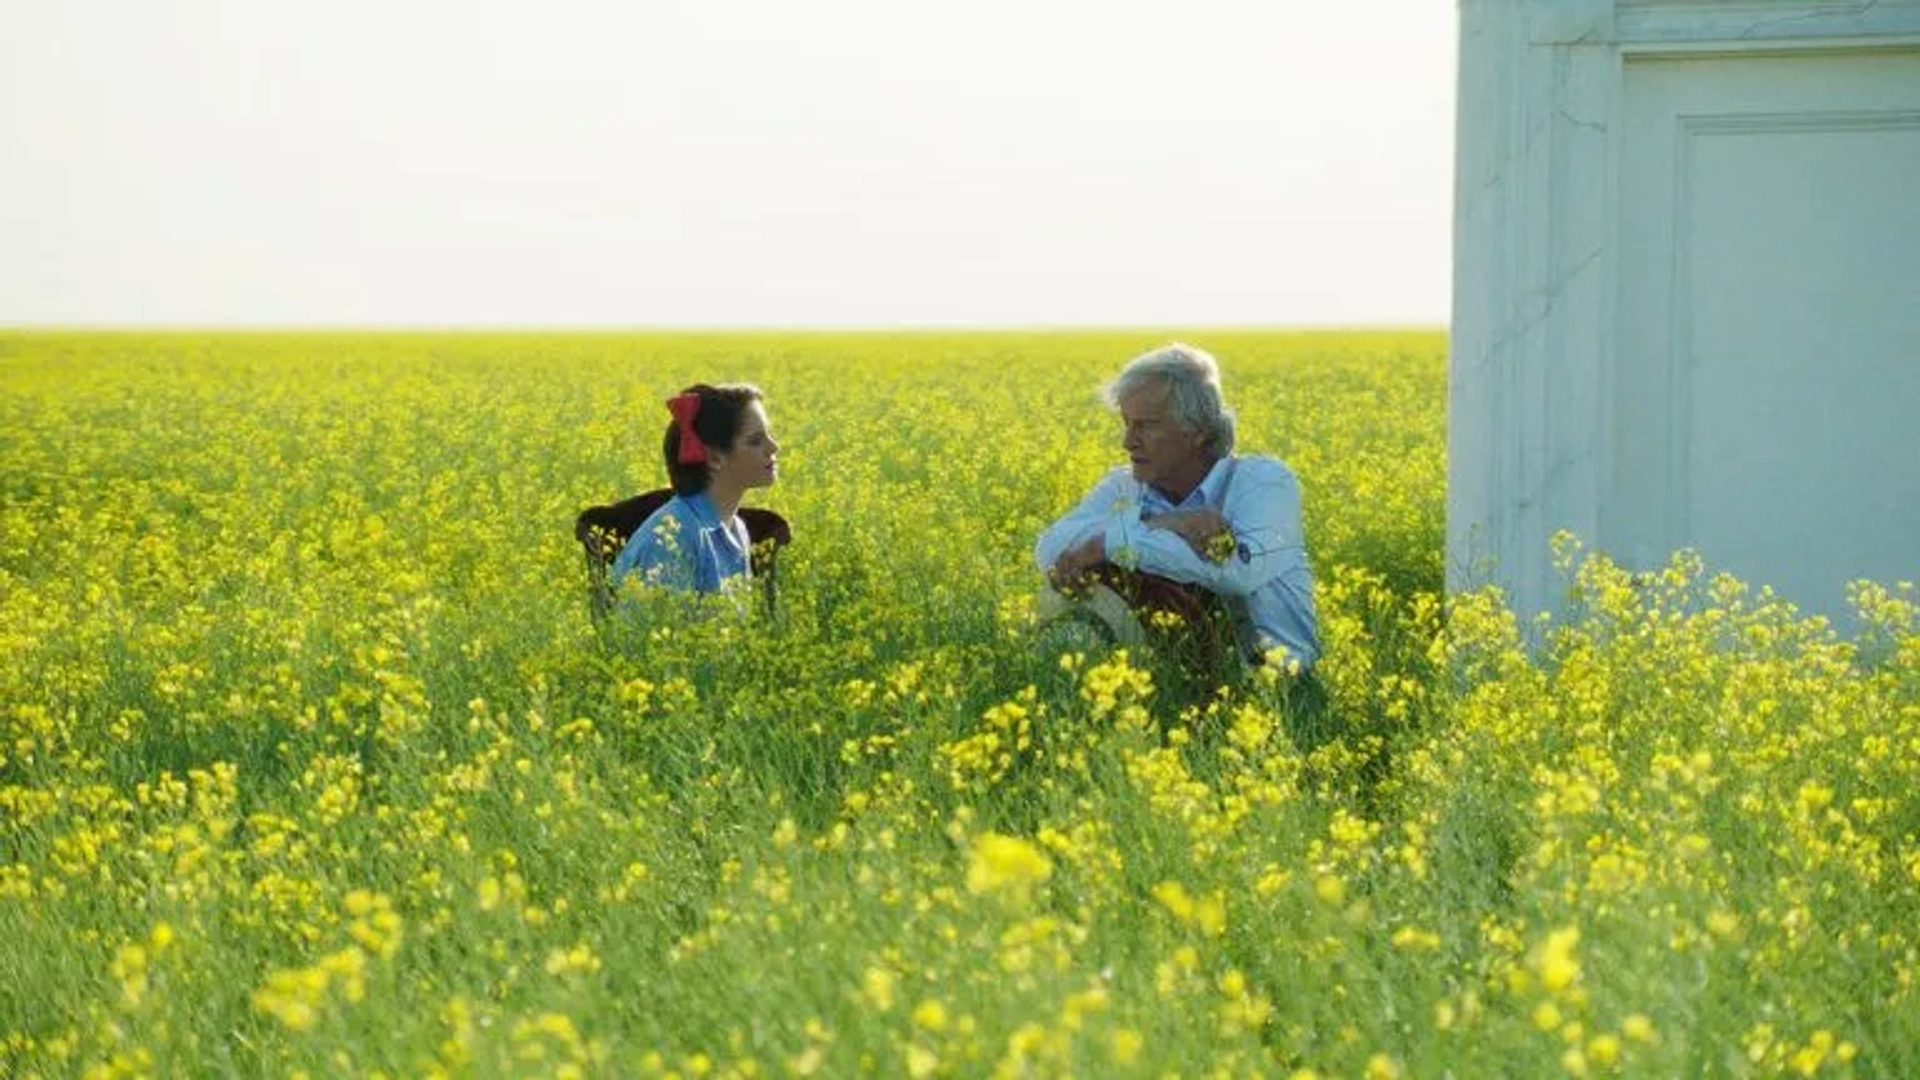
<point x="1163" y="454"/>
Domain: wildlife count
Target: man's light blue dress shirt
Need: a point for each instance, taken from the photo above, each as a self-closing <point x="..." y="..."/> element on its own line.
<point x="1268" y="571"/>
<point x="684" y="545"/>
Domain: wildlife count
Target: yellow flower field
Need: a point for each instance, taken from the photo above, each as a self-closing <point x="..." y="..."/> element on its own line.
<point x="312" y="761"/>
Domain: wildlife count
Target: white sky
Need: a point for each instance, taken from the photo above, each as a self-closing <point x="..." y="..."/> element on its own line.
<point x="725" y="162"/>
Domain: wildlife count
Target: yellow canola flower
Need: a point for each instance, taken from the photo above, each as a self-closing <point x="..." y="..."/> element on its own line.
<point x="130" y="967"/>
<point x="1272" y="880"/>
<point x="1382" y="1067"/>
<point x="1813" y="797"/>
<point x="1415" y="939"/>
<point x="375" y="926"/>
<point x="1006" y="865"/>
<point x="1182" y="905"/>
<point x="1555" y="961"/>
<point x="294" y="997"/>
<point x="1821" y="1046"/>
<point x="290" y="997"/>
<point x="931" y="1015"/>
<point x="577" y="960"/>
<point x="877" y="987"/>
<point x="921" y="1062"/>
<point x="1638" y="1028"/>
<point x="1329" y="888"/>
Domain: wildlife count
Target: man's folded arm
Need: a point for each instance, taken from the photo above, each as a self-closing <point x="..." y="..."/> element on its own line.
<point x="1081" y="523"/>
<point x="1265" y="519"/>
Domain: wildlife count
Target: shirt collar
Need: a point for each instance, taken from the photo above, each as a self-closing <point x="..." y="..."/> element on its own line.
<point x="706" y="515"/>
<point x="1204" y="495"/>
<point x="701" y="509"/>
<point x="1215" y="479"/>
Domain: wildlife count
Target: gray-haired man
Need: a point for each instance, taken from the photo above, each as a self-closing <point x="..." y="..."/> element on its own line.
<point x="1187" y="509"/>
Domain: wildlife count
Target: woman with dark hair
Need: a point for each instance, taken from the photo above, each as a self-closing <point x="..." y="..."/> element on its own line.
<point x="717" y="446"/>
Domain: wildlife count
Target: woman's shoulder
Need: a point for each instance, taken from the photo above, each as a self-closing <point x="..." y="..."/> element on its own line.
<point x="675" y="506"/>
<point x="670" y="518"/>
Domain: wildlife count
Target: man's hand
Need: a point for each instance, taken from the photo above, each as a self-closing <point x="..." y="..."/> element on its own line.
<point x="1073" y="564"/>
<point x="1201" y="528"/>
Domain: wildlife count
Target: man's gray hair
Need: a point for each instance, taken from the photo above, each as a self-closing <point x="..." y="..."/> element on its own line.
<point x="1194" y="379"/>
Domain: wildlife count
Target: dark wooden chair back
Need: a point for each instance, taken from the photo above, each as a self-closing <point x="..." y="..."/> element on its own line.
<point x="1187" y="620"/>
<point x="604" y="530"/>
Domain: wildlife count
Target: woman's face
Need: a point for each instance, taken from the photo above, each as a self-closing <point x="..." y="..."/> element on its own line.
<point x="752" y="460"/>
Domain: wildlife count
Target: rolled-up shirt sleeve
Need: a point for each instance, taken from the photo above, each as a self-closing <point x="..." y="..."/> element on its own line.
<point x="1263" y="512"/>
<point x="1108" y="499"/>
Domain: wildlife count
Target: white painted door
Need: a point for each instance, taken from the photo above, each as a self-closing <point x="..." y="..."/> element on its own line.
<point x="1764" y="405"/>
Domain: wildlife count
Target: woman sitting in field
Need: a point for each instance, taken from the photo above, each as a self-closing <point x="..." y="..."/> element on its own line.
<point x="717" y="447"/>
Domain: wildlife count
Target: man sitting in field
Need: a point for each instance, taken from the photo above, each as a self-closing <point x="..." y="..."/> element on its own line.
<point x="1188" y="510"/>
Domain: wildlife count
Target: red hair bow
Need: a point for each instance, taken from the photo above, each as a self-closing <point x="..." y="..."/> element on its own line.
<point x="685" y="408"/>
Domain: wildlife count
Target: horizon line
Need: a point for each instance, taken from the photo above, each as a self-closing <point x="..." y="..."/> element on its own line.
<point x="711" y="328"/>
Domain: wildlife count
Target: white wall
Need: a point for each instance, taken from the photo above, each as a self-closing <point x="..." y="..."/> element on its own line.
<point x="1687" y="291"/>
